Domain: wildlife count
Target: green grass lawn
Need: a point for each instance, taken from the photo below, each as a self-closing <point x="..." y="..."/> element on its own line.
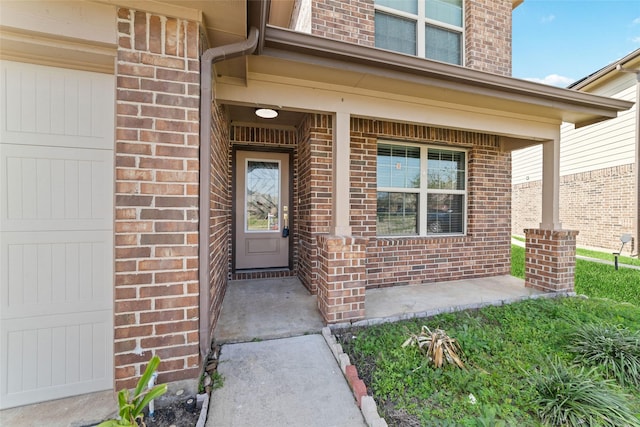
<point x="606" y="256"/>
<point x="593" y="279"/>
<point x="506" y="350"/>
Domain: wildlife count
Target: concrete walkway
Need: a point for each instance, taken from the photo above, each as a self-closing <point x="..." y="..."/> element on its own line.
<point x="86" y="409"/>
<point x="283" y="382"/>
<point x="276" y="381"/>
<point x="296" y="381"/>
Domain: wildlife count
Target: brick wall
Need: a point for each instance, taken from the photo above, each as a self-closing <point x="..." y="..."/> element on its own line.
<point x="598" y="203"/>
<point x="341" y="278"/>
<point x="550" y="259"/>
<point x="488" y="35"/>
<point x="268" y="139"/>
<point x="527" y="206"/>
<point x="219" y="213"/>
<point x="156" y="207"/>
<point x="315" y="186"/>
<point x="484" y="251"/>
<point x="348" y="21"/>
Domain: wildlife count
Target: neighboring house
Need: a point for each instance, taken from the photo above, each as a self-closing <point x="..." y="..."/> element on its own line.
<point x="137" y="180"/>
<point x="598" y="168"/>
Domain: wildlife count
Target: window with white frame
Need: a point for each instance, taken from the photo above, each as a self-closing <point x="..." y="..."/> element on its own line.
<point x="422" y="190"/>
<point x="430" y="29"/>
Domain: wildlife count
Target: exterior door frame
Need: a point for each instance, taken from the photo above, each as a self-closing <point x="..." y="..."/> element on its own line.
<point x="234" y="212"/>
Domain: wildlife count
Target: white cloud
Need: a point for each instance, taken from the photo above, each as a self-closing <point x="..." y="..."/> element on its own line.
<point x="636" y="21"/>
<point x="553" y="80"/>
<point x="547" y="19"/>
<point x="635" y="39"/>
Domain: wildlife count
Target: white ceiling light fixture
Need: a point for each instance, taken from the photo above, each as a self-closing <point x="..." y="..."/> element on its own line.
<point x="266" y="113"/>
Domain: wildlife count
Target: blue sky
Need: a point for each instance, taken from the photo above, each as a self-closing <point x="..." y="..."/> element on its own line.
<point x="560" y="41"/>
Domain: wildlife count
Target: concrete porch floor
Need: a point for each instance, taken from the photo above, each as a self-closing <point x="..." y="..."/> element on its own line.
<point x="277" y="308"/>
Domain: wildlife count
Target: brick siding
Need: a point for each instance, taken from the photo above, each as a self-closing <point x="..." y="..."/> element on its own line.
<point x="527" y="206"/>
<point x="156" y="207"/>
<point x="599" y="203"/>
<point x="315" y="175"/>
<point x="348" y="21"/>
<point x="488" y="35"/>
<point x="342" y="278"/>
<point x="219" y="213"/>
<point x="484" y="251"/>
<point x="550" y="259"/>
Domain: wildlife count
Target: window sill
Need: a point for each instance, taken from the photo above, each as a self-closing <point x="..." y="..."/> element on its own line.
<point x="403" y="240"/>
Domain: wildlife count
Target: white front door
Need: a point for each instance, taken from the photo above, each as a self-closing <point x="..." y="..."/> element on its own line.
<point x="262" y="210"/>
<point x="56" y="233"/>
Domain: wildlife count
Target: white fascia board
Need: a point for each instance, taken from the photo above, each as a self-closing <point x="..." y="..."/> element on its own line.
<point x="300" y="95"/>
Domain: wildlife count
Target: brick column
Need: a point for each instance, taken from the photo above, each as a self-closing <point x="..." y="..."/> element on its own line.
<point x="156" y="208"/>
<point x="550" y="259"/>
<point x="341" y="278"/>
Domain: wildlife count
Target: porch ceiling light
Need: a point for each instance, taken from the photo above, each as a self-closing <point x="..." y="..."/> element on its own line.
<point x="266" y="113"/>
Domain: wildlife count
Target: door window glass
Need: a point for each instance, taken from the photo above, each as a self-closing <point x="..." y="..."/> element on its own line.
<point x="263" y="196"/>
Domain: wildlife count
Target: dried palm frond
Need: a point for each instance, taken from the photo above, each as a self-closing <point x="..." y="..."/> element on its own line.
<point x="437" y="346"/>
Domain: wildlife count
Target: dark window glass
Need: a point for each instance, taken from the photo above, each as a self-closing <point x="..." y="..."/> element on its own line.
<point x="397" y="213"/>
<point x="395" y="33"/>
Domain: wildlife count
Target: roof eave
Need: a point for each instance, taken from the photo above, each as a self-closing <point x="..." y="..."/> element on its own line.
<point x="466" y="79"/>
<point x="631" y="60"/>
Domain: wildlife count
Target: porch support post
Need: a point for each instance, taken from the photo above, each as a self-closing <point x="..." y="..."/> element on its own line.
<point x="550" y="260"/>
<point x="551" y="184"/>
<point x="341" y="171"/>
<point x="550" y="252"/>
<point x="341" y="278"/>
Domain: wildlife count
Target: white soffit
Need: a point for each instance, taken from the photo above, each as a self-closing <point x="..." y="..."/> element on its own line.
<point x="384" y="83"/>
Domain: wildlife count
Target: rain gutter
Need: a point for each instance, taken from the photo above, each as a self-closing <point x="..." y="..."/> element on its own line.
<point x="210" y="57"/>
<point x="292" y="45"/>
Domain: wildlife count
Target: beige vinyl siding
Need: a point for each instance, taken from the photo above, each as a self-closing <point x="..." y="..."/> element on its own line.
<point x="527" y="164"/>
<point x="602" y="145"/>
<point x="599" y="146"/>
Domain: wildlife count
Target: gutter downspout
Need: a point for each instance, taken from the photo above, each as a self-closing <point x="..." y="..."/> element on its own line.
<point x="210" y="57"/>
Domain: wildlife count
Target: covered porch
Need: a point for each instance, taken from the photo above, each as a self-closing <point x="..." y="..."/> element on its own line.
<point x="261" y="309"/>
<point x="338" y="104"/>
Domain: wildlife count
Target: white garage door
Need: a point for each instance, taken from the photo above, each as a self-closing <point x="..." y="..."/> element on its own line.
<point x="56" y="233"/>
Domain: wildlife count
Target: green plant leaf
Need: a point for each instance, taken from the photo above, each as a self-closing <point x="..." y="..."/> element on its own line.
<point x="146" y="376"/>
<point x="110" y="423"/>
<point x="124" y="405"/>
<point x="155" y="392"/>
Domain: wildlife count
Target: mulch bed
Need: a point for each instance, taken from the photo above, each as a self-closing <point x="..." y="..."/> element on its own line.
<point x="177" y="414"/>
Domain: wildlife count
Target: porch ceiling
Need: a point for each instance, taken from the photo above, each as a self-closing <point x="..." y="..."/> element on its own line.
<point x="246" y="115"/>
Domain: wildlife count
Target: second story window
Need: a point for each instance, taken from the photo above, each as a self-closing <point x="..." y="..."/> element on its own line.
<point x="430" y="29"/>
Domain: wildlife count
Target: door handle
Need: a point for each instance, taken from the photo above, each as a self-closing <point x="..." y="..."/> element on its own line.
<point x="285" y="219"/>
